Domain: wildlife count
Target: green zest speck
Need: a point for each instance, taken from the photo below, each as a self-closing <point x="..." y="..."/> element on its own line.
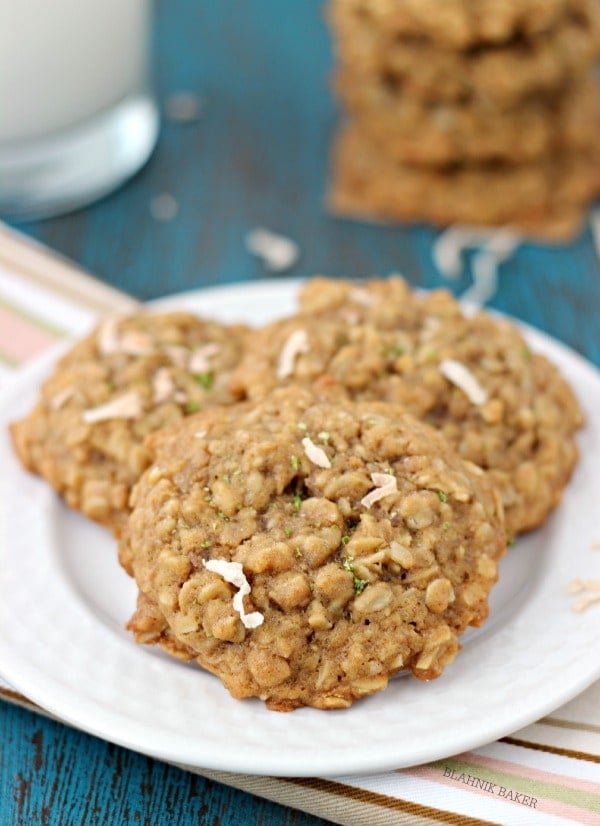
<point x="192" y="407"/>
<point x="443" y="497"/>
<point x="348" y="564"/>
<point x="294" y="462"/>
<point x="359" y="585"/>
<point x="205" y="380"/>
<point x="297" y="501"/>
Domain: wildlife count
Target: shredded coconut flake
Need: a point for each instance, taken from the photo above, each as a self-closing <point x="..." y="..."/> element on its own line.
<point x="178" y="355"/>
<point x="485" y="281"/>
<point x="385" y="484"/>
<point x="200" y="359"/>
<point x="233" y="573"/>
<point x="200" y="434"/>
<point x="128" y="406"/>
<point x="590" y="590"/>
<point x="107" y="339"/>
<point x="296" y="344"/>
<point x="276" y="251"/>
<point x="316" y="454"/>
<point x="363" y="297"/>
<point x="61" y="398"/>
<point x="462" y="377"/>
<point x="162" y="385"/>
<point x="449" y="246"/>
<point x="136" y="343"/>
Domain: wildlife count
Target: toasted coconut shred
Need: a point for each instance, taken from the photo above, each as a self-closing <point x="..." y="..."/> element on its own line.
<point x="296" y="344"/>
<point x="385" y="485"/>
<point x="589" y="590"/>
<point x="136" y="343"/>
<point x="316" y="454"/>
<point x="108" y="340"/>
<point x="162" y="385"/>
<point x="233" y="573"/>
<point x="494" y="247"/>
<point x="200" y="359"/>
<point x="128" y="406"/>
<point x="461" y="377"/>
<point x="277" y="252"/>
<point x="61" y="398"/>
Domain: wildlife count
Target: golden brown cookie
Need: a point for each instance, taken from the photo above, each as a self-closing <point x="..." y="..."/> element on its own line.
<point x="131" y="376"/>
<point x="473" y="378"/>
<point x="545" y="199"/>
<point x="305" y="552"/>
<point x="504" y="74"/>
<point x="442" y="134"/>
<point x="461" y="23"/>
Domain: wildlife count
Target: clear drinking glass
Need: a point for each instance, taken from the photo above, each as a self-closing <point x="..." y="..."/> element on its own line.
<point x="77" y="114"/>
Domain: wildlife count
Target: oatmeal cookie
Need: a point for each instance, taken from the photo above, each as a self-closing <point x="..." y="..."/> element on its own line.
<point x="131" y="376"/>
<point x="503" y="407"/>
<point x="441" y="134"/>
<point x="304" y="552"/>
<point x="545" y="199"/>
<point x="460" y="23"/>
<point x="504" y="74"/>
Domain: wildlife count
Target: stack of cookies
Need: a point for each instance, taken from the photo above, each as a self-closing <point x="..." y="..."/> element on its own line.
<point x="468" y="111"/>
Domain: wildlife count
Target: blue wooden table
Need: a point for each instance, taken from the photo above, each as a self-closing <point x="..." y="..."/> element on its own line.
<point x="257" y="156"/>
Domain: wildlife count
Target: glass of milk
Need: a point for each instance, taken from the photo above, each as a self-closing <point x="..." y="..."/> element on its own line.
<point x="77" y="115"/>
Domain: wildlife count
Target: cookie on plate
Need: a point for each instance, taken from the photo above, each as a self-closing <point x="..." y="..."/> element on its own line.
<point x="306" y="551"/>
<point x="472" y="377"/>
<point x="131" y="376"/>
<point x="461" y="23"/>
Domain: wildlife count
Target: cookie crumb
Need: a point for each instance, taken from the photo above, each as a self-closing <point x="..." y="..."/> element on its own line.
<point x="277" y="252"/>
<point x="164" y="207"/>
<point x="183" y="107"/>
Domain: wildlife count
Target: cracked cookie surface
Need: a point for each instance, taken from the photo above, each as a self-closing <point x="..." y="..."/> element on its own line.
<point x="305" y="551"/>
<point x="129" y="377"/>
<point x="378" y="340"/>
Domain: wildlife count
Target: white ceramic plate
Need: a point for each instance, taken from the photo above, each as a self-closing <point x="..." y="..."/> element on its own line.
<point x="64" y="601"/>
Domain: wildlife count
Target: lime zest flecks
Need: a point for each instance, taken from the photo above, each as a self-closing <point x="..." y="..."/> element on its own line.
<point x="205" y="380"/>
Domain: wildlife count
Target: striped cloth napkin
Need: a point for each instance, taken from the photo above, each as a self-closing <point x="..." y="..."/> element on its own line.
<point x="547" y="774"/>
